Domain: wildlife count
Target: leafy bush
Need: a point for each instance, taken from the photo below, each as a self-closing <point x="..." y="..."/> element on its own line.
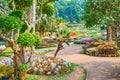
<point x="48" y="9"/>
<point x="24" y="67"/>
<point x="6" y="71"/>
<point x="48" y="66"/>
<point x="16" y="13"/>
<point x="26" y="39"/>
<point x="64" y="33"/>
<point x="10" y="23"/>
<point x="37" y="40"/>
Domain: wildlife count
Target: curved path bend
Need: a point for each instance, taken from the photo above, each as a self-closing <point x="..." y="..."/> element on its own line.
<point x="98" y="68"/>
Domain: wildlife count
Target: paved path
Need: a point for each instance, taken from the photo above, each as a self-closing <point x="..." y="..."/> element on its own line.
<point x="98" y="68"/>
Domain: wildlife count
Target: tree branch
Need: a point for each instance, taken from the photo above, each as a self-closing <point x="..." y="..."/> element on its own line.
<point x="41" y="5"/>
<point x="38" y="20"/>
<point x="48" y="1"/>
<point x="29" y="58"/>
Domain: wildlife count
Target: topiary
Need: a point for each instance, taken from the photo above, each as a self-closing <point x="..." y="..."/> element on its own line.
<point x="37" y="40"/>
<point x="10" y="23"/>
<point x="48" y="9"/>
<point x="24" y="67"/>
<point x="26" y="39"/>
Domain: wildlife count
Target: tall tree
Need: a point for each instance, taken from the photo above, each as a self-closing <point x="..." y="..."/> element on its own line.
<point x="103" y="12"/>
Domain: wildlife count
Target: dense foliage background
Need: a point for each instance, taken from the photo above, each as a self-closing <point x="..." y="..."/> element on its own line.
<point x="70" y="10"/>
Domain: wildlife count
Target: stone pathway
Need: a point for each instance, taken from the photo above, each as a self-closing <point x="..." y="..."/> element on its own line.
<point x="98" y="68"/>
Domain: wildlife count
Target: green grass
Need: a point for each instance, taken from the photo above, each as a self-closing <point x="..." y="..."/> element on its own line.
<point x="85" y="74"/>
<point x="63" y="76"/>
<point x="35" y="77"/>
<point x="10" y="53"/>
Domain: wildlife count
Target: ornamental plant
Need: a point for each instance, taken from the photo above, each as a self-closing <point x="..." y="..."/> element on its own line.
<point x="18" y="28"/>
<point x="48" y="9"/>
<point x="63" y="35"/>
<point x="108" y="49"/>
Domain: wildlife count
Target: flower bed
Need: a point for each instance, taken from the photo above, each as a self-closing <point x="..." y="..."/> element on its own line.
<point x="6" y="61"/>
<point x="102" y="49"/>
<point x="108" y="49"/>
<point x="49" y="66"/>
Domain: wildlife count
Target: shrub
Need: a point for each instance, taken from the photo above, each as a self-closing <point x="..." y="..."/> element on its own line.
<point x="48" y="66"/>
<point x="37" y="40"/>
<point x="26" y="39"/>
<point x="6" y="71"/>
<point x="10" y="23"/>
<point x="64" y="33"/>
<point x="24" y="67"/>
<point x="16" y="13"/>
<point x="48" y="9"/>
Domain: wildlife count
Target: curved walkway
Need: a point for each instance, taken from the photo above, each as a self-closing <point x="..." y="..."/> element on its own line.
<point x="98" y="68"/>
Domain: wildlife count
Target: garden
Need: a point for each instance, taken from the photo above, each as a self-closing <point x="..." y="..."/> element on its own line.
<point x="35" y="34"/>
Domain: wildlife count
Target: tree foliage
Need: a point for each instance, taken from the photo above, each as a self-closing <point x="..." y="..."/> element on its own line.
<point x="10" y="23"/>
<point x="17" y="28"/>
<point x="48" y="9"/>
<point x="16" y="13"/>
<point x="22" y="4"/>
<point x="28" y="39"/>
<point x="70" y="10"/>
<point x="102" y="12"/>
<point x="64" y="33"/>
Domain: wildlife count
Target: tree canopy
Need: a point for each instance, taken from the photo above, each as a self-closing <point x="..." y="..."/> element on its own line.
<point x="102" y="12"/>
<point x="70" y="10"/>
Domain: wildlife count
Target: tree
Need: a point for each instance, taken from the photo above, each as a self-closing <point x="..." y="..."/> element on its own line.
<point x="45" y="22"/>
<point x="14" y="23"/>
<point x="103" y="13"/>
<point x="70" y="10"/>
<point x="63" y="35"/>
<point x="4" y="9"/>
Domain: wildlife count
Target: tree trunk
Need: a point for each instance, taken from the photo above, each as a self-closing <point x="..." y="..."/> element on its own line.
<point x="41" y="31"/>
<point x="18" y="60"/>
<point x="114" y="33"/>
<point x="34" y="15"/>
<point x="17" y="63"/>
<point x="109" y="33"/>
<point x="60" y="46"/>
